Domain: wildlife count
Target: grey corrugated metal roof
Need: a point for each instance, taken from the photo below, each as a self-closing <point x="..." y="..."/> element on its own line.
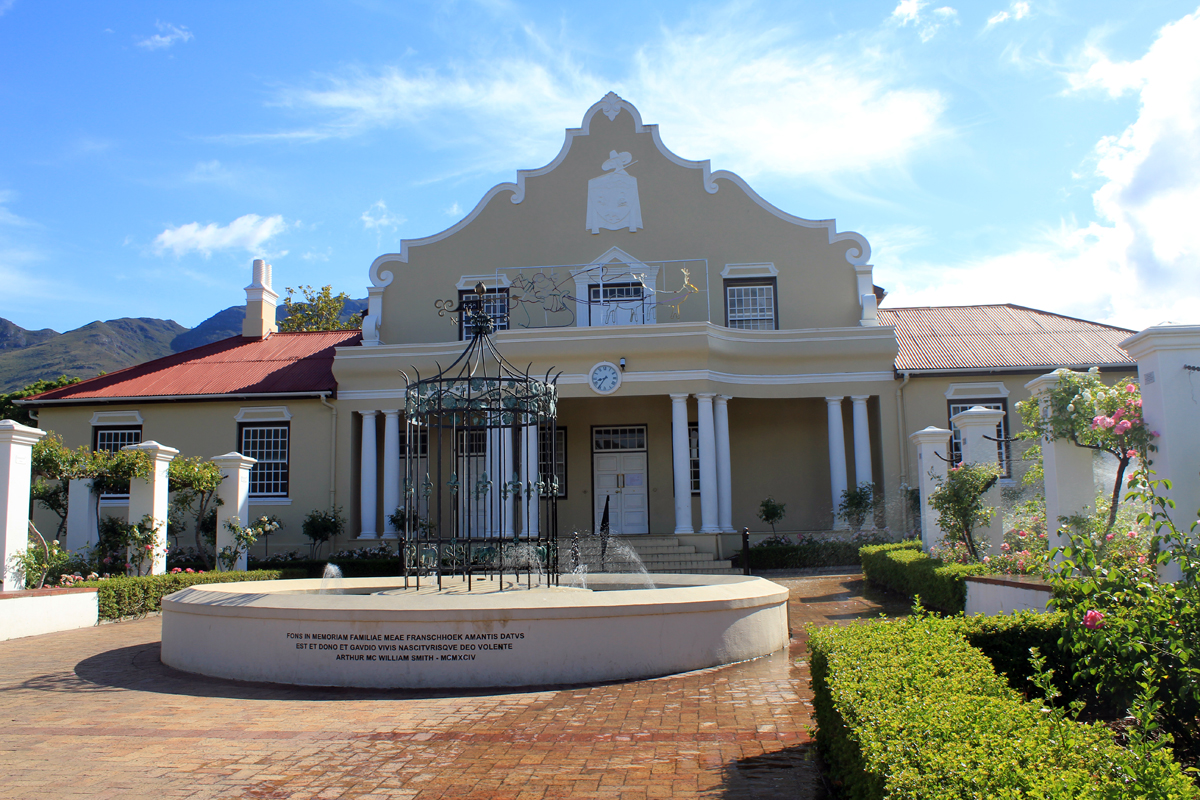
<point x="1000" y="337"/>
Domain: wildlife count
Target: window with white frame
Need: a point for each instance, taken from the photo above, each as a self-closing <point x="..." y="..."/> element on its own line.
<point x="268" y="444"/>
<point x="1003" y="451"/>
<point x="495" y="305"/>
<point x="559" y="466"/>
<point x="617" y="304"/>
<point x="113" y="439"/>
<point x="750" y="304"/>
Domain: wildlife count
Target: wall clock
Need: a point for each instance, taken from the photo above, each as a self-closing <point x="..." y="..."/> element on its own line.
<point x="604" y="378"/>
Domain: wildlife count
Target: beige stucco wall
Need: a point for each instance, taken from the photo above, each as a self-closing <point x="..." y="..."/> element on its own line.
<point x="208" y="429"/>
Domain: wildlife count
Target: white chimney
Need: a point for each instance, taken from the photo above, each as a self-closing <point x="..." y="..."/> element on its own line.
<point x="260" y="304"/>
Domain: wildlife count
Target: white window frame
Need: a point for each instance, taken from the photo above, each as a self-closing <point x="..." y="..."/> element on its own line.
<point x="761" y="321"/>
<point x="264" y="462"/>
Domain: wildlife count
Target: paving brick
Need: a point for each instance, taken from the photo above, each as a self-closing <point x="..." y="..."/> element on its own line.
<point x="93" y="713"/>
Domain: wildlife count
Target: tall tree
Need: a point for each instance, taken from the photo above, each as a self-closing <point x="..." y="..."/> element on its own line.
<point x="319" y="311"/>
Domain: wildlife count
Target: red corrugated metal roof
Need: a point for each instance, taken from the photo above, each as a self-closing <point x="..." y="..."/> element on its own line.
<point x="283" y="363"/>
<point x="1000" y="337"/>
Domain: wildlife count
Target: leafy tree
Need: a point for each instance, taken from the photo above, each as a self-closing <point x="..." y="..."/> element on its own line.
<point x="319" y="311"/>
<point x="771" y="512"/>
<point x="321" y="526"/>
<point x="1090" y="414"/>
<point x="194" y="482"/>
<point x="10" y="410"/>
<point x="858" y="504"/>
<point x="958" y="499"/>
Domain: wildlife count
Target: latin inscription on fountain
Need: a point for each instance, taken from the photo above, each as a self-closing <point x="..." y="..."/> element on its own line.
<point x="409" y="647"/>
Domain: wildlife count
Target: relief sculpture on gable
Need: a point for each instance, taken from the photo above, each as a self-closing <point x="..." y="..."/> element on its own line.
<point x="612" y="202"/>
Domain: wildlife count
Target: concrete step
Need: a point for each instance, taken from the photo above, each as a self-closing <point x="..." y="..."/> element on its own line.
<point x="655" y="558"/>
<point x="645" y="550"/>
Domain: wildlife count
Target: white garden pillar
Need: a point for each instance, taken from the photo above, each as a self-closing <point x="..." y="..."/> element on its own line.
<point x="16" y="465"/>
<point x="83" y="525"/>
<point x="977" y="423"/>
<point x="862" y="442"/>
<point x="148" y="497"/>
<point x="724" y="467"/>
<point x="682" y="463"/>
<point x="1168" y="358"/>
<point x="1068" y="468"/>
<point x="837" y="458"/>
<point x="368" y="478"/>
<point x="709" y="505"/>
<point x="234" y="494"/>
<point x="391" y="469"/>
<point x="932" y="450"/>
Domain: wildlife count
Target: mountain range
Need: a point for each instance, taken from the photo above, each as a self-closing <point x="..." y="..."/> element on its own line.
<point x="27" y="356"/>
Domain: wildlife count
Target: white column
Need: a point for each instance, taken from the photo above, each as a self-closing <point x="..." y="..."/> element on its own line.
<point x="149" y="498"/>
<point x="234" y="494"/>
<point x="16" y="466"/>
<point x="724" y="467"/>
<point x="976" y="423"/>
<point x="837" y="458"/>
<point x="709" y="505"/>
<point x="1068" y="468"/>
<point x="83" y="526"/>
<point x="931" y="443"/>
<point x="862" y="442"/>
<point x="506" y="476"/>
<point x="1167" y="357"/>
<point x="530" y="501"/>
<point x="682" y="461"/>
<point x="391" y="469"/>
<point x="368" y="472"/>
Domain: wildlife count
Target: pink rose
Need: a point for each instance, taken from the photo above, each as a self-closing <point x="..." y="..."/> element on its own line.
<point x="1141" y="559"/>
<point x="1132" y="534"/>
<point x="987" y="559"/>
<point x="1122" y="426"/>
<point x="1021" y="534"/>
<point x="1130" y="388"/>
<point x="1005" y="547"/>
<point x="1109" y="537"/>
<point x="189" y="570"/>
<point x="1093" y="619"/>
<point x="1131" y="454"/>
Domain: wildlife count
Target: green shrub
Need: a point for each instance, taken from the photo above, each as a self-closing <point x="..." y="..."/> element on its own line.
<point x="908" y="709"/>
<point x="805" y="555"/>
<point x="1006" y="641"/>
<point x="902" y="567"/>
<point x="135" y="596"/>
<point x="350" y="567"/>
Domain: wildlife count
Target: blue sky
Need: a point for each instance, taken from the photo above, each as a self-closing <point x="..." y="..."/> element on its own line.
<point x="1040" y="153"/>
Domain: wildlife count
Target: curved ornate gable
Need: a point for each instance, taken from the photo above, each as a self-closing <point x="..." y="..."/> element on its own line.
<point x="615" y="184"/>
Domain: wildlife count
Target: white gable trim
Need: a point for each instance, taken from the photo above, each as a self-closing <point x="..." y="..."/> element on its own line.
<point x="968" y="391"/>
<point x="766" y="270"/>
<point x="611" y="106"/>
<point x="132" y="417"/>
<point x="263" y="414"/>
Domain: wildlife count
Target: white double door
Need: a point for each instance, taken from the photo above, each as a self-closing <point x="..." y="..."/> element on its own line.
<point x="621" y="479"/>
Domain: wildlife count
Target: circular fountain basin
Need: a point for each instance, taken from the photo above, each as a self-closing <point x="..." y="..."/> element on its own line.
<point x="379" y="634"/>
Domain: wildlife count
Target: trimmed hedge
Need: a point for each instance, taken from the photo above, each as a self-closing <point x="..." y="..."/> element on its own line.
<point x="908" y="709"/>
<point x="805" y="555"/>
<point x="903" y="567"/>
<point x="1006" y="641"/>
<point x="135" y="596"/>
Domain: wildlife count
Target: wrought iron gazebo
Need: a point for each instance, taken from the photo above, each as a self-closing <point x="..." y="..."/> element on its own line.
<point x="480" y="490"/>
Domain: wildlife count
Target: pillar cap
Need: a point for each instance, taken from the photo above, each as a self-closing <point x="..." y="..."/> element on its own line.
<point x="932" y="434"/>
<point x="14" y="432"/>
<point x="1047" y="381"/>
<point x="1168" y="336"/>
<point x="977" y="415"/>
<point x="158" y="451"/>
<point x="234" y="460"/>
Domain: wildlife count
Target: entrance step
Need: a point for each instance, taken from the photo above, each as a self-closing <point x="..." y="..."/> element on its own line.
<point x="665" y="554"/>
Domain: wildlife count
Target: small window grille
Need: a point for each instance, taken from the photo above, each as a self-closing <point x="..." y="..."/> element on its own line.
<point x="607" y="439"/>
<point x="495" y="305"/>
<point x="694" y="455"/>
<point x="113" y="439"/>
<point x="560" y="458"/>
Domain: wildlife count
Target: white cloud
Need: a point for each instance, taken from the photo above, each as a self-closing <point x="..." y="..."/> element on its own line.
<point x="167" y="36"/>
<point x="1017" y="11"/>
<point x="6" y="216"/>
<point x="5" y="5"/>
<point x="1139" y="262"/>
<point x="377" y="217"/>
<point x="248" y="232"/>
<point x="911" y="12"/>
<point x="455" y="210"/>
<point x="767" y="104"/>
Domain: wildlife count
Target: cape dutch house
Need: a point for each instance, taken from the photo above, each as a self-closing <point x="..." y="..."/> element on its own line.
<point x="714" y="350"/>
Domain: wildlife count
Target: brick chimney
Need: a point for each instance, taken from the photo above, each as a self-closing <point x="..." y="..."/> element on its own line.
<point x="260" y="304"/>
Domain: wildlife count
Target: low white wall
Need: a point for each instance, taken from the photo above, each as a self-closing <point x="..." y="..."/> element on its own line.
<point x="992" y="596"/>
<point x="47" y="611"/>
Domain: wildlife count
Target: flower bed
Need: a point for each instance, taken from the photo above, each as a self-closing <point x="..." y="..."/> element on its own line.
<point x="779" y="552"/>
<point x="902" y="567"/>
<point x="908" y="708"/>
<point x="135" y="596"/>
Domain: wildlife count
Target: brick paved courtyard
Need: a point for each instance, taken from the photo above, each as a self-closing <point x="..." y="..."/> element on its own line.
<point x="93" y="713"/>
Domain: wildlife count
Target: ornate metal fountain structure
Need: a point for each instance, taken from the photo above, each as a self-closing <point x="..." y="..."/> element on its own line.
<point x="480" y="491"/>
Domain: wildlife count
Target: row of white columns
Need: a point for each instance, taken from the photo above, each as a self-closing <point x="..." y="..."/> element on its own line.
<point x="499" y="462"/>
<point x="838" y="468"/>
<point x="716" y="474"/>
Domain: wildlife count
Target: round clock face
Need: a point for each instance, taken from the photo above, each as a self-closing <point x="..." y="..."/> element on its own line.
<point x="605" y="378"/>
